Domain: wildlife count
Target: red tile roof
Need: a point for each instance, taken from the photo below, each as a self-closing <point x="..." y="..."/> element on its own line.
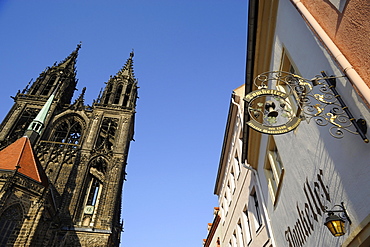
<point x="20" y="153"/>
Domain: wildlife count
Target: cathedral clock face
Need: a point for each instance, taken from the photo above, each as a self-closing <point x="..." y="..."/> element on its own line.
<point x="89" y="209"/>
<point x="271" y="112"/>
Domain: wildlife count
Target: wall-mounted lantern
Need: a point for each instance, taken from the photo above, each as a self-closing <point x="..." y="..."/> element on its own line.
<point x="336" y="223"/>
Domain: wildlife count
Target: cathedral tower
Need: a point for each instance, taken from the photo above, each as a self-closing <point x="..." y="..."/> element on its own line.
<point x="82" y="150"/>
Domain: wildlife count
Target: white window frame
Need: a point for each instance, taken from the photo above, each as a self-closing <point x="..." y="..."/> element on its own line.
<point x="246" y="224"/>
<point x="274" y="169"/>
<point x="239" y="229"/>
<point x="255" y="210"/>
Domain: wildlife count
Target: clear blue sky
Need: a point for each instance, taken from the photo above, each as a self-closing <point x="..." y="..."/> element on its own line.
<point x="189" y="56"/>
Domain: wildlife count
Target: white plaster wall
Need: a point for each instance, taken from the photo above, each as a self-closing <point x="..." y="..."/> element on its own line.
<point x="245" y="183"/>
<point x="345" y="163"/>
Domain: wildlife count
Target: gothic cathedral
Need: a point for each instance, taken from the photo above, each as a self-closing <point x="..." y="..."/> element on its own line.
<point x="62" y="163"/>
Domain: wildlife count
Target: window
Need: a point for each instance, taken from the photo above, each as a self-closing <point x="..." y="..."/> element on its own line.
<point x="293" y="100"/>
<point x="10" y="223"/>
<point x="49" y="85"/>
<point x="234" y="240"/>
<point x="256" y="212"/>
<point x="226" y="205"/>
<point x="273" y="169"/>
<point x="223" y="213"/>
<point x="107" y="95"/>
<point x="127" y="94"/>
<point x="95" y="180"/>
<point x="286" y="63"/>
<point x="107" y="134"/>
<point x="35" y="88"/>
<point x="240" y="234"/>
<point x="22" y="123"/>
<point x="236" y="165"/>
<point x="94" y="191"/>
<point x="240" y="139"/>
<point x="232" y="180"/>
<point x="68" y="130"/>
<point x="228" y="193"/>
<point x="247" y="229"/>
<point x="117" y="96"/>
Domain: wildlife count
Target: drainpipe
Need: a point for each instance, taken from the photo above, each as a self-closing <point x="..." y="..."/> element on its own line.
<point x="347" y="68"/>
<point x="259" y="189"/>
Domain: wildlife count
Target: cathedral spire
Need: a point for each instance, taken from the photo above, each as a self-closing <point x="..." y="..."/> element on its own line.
<point x="128" y="68"/>
<point x="34" y="130"/>
<point x="79" y="102"/>
<point x="63" y="73"/>
<point x="71" y="59"/>
<point x="121" y="89"/>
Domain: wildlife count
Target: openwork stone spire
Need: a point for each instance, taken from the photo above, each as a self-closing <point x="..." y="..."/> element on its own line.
<point x="121" y="89"/>
<point x="70" y="61"/>
<point x="63" y="74"/>
<point x="128" y="69"/>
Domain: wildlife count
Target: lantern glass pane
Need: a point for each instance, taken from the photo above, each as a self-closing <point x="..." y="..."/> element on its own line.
<point x="336" y="227"/>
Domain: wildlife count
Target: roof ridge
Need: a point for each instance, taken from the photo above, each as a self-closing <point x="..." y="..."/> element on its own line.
<point x="20" y="154"/>
<point x="34" y="159"/>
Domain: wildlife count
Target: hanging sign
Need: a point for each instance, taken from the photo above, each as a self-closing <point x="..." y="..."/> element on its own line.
<point x="273" y="108"/>
<point x="271" y="112"/>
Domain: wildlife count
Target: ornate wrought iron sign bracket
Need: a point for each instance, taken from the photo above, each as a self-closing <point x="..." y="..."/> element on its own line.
<point x="284" y="99"/>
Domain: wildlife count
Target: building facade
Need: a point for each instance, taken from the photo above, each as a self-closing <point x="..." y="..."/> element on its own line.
<point x="241" y="208"/>
<point x="213" y="237"/>
<point x="304" y="132"/>
<point x="308" y="171"/>
<point x="82" y="152"/>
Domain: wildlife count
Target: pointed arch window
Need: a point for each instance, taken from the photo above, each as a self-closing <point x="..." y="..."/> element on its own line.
<point x="22" y="123"/>
<point x="127" y="94"/>
<point x="68" y="130"/>
<point x="108" y="94"/>
<point x="94" y="188"/>
<point x="117" y="96"/>
<point x="107" y="134"/>
<point x="94" y="191"/>
<point x="35" y="88"/>
<point x="48" y="86"/>
<point x="10" y="223"/>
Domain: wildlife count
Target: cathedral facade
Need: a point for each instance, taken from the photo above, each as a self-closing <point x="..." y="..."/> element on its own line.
<point x="62" y="163"/>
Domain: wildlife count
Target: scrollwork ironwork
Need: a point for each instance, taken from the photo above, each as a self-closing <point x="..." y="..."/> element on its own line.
<point x="315" y="99"/>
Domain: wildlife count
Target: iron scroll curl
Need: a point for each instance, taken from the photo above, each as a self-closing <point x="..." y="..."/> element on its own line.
<point x="283" y="99"/>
